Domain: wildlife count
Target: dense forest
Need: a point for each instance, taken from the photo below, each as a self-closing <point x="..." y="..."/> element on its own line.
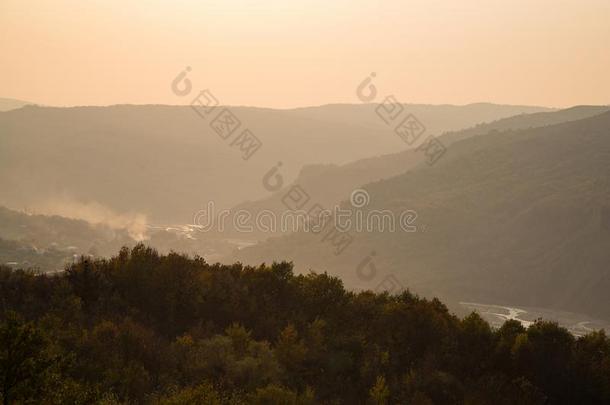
<point x="142" y="327"/>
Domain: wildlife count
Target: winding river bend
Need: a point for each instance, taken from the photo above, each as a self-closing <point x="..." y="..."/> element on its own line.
<point x="496" y="315"/>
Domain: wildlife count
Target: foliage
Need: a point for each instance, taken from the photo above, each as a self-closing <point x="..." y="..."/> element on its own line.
<point x="167" y="329"/>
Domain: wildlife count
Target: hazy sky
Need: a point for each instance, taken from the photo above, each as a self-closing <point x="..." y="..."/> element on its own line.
<point x="286" y="53"/>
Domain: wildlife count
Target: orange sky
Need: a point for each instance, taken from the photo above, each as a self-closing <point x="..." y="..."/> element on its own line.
<point x="285" y="53"/>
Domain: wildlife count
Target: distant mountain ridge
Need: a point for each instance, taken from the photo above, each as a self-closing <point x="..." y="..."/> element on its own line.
<point x="165" y="162"/>
<point x="7" y="104"/>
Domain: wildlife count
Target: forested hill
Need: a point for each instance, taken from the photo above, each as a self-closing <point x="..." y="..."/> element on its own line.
<point x="513" y="217"/>
<point x="328" y="185"/>
<point x="167" y="329"/>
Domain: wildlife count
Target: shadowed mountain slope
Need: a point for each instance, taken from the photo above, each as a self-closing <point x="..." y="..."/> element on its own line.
<point x="514" y="217"/>
<point x="328" y="185"/>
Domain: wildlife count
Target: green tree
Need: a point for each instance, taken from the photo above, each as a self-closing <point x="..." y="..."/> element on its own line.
<point x="277" y="395"/>
<point x="203" y="394"/>
<point x="28" y="370"/>
<point x="380" y="393"/>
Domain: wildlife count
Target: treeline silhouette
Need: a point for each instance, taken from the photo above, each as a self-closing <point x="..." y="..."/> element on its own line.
<point x="142" y="327"/>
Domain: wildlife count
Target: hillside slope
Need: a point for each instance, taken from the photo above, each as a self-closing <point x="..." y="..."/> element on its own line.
<point x="328" y="185"/>
<point x="515" y="218"/>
